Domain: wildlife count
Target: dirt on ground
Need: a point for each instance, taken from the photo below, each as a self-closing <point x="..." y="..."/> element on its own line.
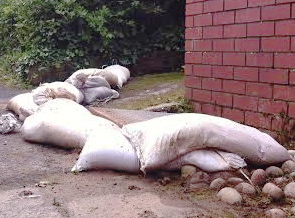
<point x="35" y="180"/>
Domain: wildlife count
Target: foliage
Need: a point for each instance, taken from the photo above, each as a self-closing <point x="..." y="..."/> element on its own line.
<point x="46" y="33"/>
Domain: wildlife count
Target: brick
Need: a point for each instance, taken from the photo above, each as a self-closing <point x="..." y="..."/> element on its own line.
<point x="286" y="27"/>
<point x="197" y="107"/>
<point x="275" y="44"/>
<point x="236" y="30"/>
<point x="213" y="6"/>
<point x="259" y="90"/>
<point x="190" y="1"/>
<point x="235" y="87"/>
<point x="202" y="45"/>
<point x="284" y="1"/>
<point x="189" y="21"/>
<point x="276" y="76"/>
<point x="291" y="111"/>
<point x="234" y="4"/>
<point x="223" y="45"/>
<point x="188" y="93"/>
<point x="261" y="29"/>
<point x="202" y="70"/>
<point x="286" y="93"/>
<point x="189" y="45"/>
<point x="254" y="3"/>
<point x="249" y="44"/>
<point x="233" y="114"/>
<point x="284" y="60"/>
<point x="292" y="77"/>
<point x="213" y="58"/>
<point x="225" y="17"/>
<point x="212" y="84"/>
<point x="276" y="12"/>
<point x="272" y="107"/>
<point x="247" y="15"/>
<point x="192" y="82"/>
<point x="246" y="73"/>
<point x="258" y="120"/>
<point x="223" y="99"/>
<point x="203" y="20"/>
<point x="223" y="72"/>
<point x="293" y="41"/>
<point x="293" y="11"/>
<point x="210" y="109"/>
<point x="212" y="32"/>
<point x="201" y="95"/>
<point x="245" y="102"/>
<point x="188" y="70"/>
<point x="195" y="8"/>
<point x="193" y="57"/>
<point x="193" y="33"/>
<point x="234" y="59"/>
<point x="259" y="59"/>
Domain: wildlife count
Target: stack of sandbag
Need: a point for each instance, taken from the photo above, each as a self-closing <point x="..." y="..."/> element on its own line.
<point x="122" y="73"/>
<point x="64" y="123"/>
<point x="49" y="91"/>
<point x="23" y="105"/>
<point x="161" y="140"/>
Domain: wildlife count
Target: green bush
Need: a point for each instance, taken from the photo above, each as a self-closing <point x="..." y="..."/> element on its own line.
<point x="49" y="33"/>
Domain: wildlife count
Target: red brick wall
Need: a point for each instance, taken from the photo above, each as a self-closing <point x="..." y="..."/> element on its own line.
<point x="240" y="59"/>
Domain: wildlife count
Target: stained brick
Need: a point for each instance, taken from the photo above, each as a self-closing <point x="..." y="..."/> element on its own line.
<point x="213" y="58"/>
<point x="247" y="15"/>
<point x="249" y="44"/>
<point x="236" y="30"/>
<point x="225" y="72"/>
<point x="271" y="106"/>
<point x="269" y="75"/>
<point x="261" y="29"/>
<point x="234" y="59"/>
<point x="257" y="120"/>
<point x="275" y="44"/>
<point x="233" y="114"/>
<point x="246" y="73"/>
<point x="284" y="92"/>
<point x="232" y="86"/>
<point x="259" y="90"/>
<point x="223" y="99"/>
<point x="245" y="102"/>
<point x="259" y="59"/>
<point x="291" y="111"/>
<point x="276" y="12"/>
<point x="284" y="60"/>
<point x="193" y="33"/>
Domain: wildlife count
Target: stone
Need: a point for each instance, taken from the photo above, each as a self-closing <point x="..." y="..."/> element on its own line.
<point x="291" y="152"/>
<point x="218" y="184"/>
<point x="290" y="190"/>
<point x="292" y="175"/>
<point x="281" y="180"/>
<point x="273" y="191"/>
<point x="288" y="166"/>
<point x="234" y="181"/>
<point x="188" y="171"/>
<point x="200" y="177"/>
<point x="246" y="188"/>
<point x="274" y="171"/>
<point x="230" y="196"/>
<point x="293" y="210"/>
<point x="196" y="187"/>
<point x="259" y="177"/>
<point x="275" y="213"/>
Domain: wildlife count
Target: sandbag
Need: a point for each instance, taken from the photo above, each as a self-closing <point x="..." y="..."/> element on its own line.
<point x="100" y="94"/>
<point x="63" y="123"/>
<point x="160" y="140"/>
<point x="122" y="72"/>
<point x="49" y="91"/>
<point x="96" y="81"/>
<point x="208" y="161"/>
<point x="107" y="148"/>
<point x="22" y="105"/>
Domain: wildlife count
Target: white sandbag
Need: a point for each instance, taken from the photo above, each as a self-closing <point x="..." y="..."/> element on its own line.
<point x="49" y="91"/>
<point x="107" y="148"/>
<point x="160" y="140"/>
<point x="208" y="161"/>
<point x="63" y="123"/>
<point x="96" y="81"/>
<point x="79" y="78"/>
<point x="22" y="105"/>
<point x="101" y="94"/>
<point x="122" y="72"/>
